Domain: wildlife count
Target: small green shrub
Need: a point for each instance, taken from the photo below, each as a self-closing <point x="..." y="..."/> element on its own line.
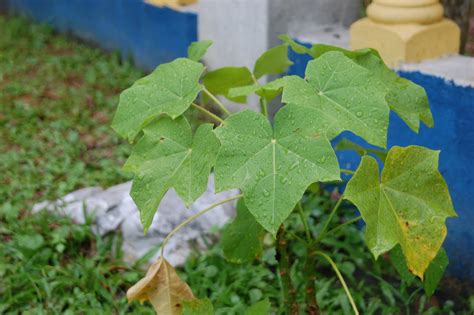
<point x="273" y="162"/>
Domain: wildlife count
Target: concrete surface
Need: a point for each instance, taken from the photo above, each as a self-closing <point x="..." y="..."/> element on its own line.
<point x="113" y="210"/>
<point x="456" y="68"/>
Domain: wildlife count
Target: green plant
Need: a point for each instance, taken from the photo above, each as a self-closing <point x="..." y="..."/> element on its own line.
<point x="274" y="162"/>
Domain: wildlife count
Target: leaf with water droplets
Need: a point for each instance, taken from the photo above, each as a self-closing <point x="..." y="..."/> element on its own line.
<point x="273" y="168"/>
<point x="170" y="90"/>
<point x="242" y="239"/>
<point x="343" y="95"/>
<point x="167" y="157"/>
<point x="273" y="61"/>
<point x="163" y="288"/>
<point x="406" y="98"/>
<point x="220" y="81"/>
<point x="408" y="206"/>
<point x="197" y="50"/>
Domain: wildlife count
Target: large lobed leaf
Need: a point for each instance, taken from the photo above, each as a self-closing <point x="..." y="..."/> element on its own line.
<point x="163" y="288"/>
<point x="167" y="157"/>
<point x="170" y="90"/>
<point x="408" y="206"/>
<point x="272" y="167"/>
<point x="407" y="99"/>
<point x="343" y="95"/>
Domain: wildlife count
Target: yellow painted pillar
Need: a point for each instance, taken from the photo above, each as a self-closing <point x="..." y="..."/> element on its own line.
<point x="406" y="30"/>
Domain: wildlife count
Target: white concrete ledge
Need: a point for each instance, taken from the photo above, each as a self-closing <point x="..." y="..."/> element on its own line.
<point x="331" y="34"/>
<point x="456" y="68"/>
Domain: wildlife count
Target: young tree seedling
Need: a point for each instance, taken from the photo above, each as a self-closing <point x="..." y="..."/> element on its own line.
<point x="274" y="161"/>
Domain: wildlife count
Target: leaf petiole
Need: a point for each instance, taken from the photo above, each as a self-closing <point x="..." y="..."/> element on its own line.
<point x="217" y="102"/>
<point x="302" y="240"/>
<point x="340" y="226"/>
<point x="207" y="112"/>
<point x="305" y="222"/>
<point x="343" y="170"/>
<point x="264" y="106"/>
<point x="192" y="218"/>
<point x="341" y="279"/>
<point x="263" y="100"/>
<point x="328" y="221"/>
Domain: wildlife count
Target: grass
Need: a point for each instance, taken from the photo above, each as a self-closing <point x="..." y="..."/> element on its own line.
<point x="375" y="285"/>
<point x="50" y="265"/>
<point x="57" y="97"/>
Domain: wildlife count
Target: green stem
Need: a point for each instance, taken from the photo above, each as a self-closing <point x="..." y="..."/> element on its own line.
<point x="341" y="279"/>
<point x="340" y="226"/>
<point x="408" y="301"/>
<point x="289" y="292"/>
<point x="312" y="307"/>
<point x="328" y="221"/>
<point x="208" y="113"/>
<point x="302" y="240"/>
<point x="305" y="222"/>
<point x="343" y="170"/>
<point x="264" y="106"/>
<point x="216" y="100"/>
<point x="192" y="218"/>
<point x="263" y="100"/>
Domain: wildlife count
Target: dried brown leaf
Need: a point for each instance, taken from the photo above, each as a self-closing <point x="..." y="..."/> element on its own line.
<point x="163" y="288"/>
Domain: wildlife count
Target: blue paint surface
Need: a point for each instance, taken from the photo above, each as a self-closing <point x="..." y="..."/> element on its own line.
<point x="453" y="111"/>
<point x="149" y="34"/>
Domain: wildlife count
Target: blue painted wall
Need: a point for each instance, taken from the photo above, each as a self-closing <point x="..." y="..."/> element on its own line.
<point x="453" y="134"/>
<point x="148" y="34"/>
